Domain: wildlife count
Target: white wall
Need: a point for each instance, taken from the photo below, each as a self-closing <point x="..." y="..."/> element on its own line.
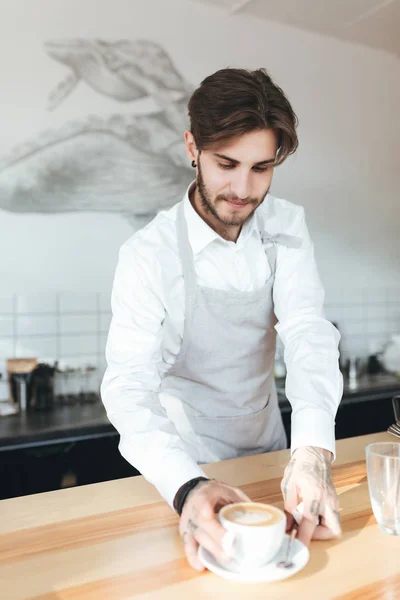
<point x="346" y="172"/>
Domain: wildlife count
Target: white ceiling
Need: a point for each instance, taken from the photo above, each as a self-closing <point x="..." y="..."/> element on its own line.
<point x="374" y="23"/>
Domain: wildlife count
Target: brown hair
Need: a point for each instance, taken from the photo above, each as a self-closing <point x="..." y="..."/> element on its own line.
<point x="232" y="102"/>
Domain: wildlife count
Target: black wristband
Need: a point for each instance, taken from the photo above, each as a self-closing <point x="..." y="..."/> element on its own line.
<point x="183" y="493"/>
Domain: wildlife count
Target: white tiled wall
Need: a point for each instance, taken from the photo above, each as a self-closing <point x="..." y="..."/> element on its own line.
<point x="69" y="328"/>
<point x="73" y="328"/>
<point x="366" y="320"/>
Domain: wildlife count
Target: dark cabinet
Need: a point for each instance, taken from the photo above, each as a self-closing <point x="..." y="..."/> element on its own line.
<point x="362" y="418"/>
<point x="42" y="468"/>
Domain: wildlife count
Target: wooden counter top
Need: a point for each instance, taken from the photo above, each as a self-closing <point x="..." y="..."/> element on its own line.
<point x="118" y="540"/>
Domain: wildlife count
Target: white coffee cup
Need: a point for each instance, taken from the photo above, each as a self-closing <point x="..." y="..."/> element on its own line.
<point x="258" y="531"/>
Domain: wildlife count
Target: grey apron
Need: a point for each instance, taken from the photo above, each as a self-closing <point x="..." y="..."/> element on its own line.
<point x="220" y="393"/>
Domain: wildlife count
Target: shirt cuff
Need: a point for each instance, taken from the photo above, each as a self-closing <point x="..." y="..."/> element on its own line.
<point x="169" y="474"/>
<point x="313" y="427"/>
<point x="175" y="470"/>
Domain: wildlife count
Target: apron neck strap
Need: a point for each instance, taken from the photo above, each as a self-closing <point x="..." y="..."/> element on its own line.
<point x="272" y="253"/>
<point x="184" y="248"/>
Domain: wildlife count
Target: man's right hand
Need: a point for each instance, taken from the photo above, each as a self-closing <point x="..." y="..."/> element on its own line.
<point x="199" y="522"/>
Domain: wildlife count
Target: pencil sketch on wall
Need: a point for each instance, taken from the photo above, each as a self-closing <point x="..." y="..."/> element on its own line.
<point x="134" y="165"/>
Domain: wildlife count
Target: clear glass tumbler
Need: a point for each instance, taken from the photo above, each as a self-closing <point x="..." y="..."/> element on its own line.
<point x="383" y="471"/>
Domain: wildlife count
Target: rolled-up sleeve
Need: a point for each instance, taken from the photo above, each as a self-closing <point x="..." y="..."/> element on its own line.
<point x="129" y="390"/>
<point x="314" y="384"/>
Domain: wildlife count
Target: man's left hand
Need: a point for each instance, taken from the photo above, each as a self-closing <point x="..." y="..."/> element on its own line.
<point x="308" y="479"/>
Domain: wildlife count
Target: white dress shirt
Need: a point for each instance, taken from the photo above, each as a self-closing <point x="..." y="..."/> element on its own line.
<point x="148" y="287"/>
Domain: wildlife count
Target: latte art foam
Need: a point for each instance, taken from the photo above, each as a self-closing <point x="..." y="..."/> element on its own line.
<point x="253" y="517"/>
<point x="252" y="513"/>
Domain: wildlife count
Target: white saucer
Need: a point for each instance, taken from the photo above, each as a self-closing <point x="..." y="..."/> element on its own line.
<point x="269" y="572"/>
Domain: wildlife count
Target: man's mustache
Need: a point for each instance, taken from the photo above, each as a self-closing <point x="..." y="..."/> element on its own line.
<point x="237" y="199"/>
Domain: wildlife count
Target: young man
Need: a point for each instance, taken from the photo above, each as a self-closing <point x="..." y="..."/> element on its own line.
<point x="197" y="299"/>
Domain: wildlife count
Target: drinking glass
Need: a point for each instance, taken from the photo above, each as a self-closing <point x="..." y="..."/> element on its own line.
<point x="383" y="472"/>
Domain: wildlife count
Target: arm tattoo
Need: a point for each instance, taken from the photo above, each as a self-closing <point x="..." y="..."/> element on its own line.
<point x="314" y="469"/>
<point x="192" y="526"/>
<point x="289" y="470"/>
<point x="318" y="469"/>
<point x="315" y="508"/>
<point x="184" y="536"/>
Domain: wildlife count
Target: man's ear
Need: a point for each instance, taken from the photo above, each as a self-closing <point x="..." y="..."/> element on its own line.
<point x="191" y="148"/>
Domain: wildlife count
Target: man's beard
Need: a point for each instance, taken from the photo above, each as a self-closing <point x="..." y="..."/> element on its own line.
<point x="205" y="196"/>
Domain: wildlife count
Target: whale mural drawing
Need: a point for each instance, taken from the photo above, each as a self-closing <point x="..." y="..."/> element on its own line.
<point x="123" y="163"/>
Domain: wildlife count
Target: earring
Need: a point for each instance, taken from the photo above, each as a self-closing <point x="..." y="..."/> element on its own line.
<point x="194" y="164"/>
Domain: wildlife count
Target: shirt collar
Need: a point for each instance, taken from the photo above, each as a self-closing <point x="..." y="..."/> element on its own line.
<point x="201" y="235"/>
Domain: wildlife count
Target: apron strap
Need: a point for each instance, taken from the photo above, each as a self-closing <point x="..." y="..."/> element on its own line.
<point x="185" y="250"/>
<point x="270" y="243"/>
<point x="272" y="254"/>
